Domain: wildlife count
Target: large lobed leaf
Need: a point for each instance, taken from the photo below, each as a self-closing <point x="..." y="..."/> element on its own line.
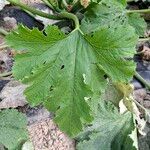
<point x="109" y="131"/>
<point x="111" y="13"/>
<point x="62" y="70"/>
<point x="13" y="130"/>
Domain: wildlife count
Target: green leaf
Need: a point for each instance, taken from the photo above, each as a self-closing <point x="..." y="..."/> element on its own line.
<point x="110" y="13"/>
<point x="13" y="130"/>
<point x="138" y="23"/>
<point x="63" y="71"/>
<point x="123" y="2"/>
<point x="112" y="93"/>
<point x="109" y="131"/>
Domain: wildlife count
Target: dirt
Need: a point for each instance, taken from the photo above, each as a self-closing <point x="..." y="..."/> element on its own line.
<point x="45" y="135"/>
<point x="5" y="61"/>
<point x="12" y="95"/>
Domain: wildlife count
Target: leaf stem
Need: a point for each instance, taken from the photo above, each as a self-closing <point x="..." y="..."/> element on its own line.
<point x="65" y="4"/>
<point x="76" y="6"/>
<point x="40" y="13"/>
<point x="5" y="74"/>
<point x="138" y="11"/>
<point x="55" y="6"/>
<point x="71" y="16"/>
<point x="142" y="80"/>
<point x="48" y="4"/>
<point x="34" y="11"/>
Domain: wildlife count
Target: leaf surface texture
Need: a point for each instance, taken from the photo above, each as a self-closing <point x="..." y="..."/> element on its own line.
<point x="109" y="131"/>
<point x="111" y="13"/>
<point x="63" y="71"/>
<point x="13" y="130"/>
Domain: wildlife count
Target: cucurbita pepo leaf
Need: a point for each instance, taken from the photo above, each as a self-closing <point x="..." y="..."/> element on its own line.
<point x="111" y="13"/>
<point x="63" y="71"/>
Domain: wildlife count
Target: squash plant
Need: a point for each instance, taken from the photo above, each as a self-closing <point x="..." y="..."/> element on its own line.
<point x="70" y="73"/>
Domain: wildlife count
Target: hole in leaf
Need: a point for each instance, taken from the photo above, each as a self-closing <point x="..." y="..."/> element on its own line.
<point x="58" y="107"/>
<point x="92" y="35"/>
<point x="105" y="76"/>
<point x="63" y="66"/>
<point x="89" y="125"/>
<point x="51" y="88"/>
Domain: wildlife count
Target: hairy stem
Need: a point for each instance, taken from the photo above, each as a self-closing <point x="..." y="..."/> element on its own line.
<point x="55" y="6"/>
<point x="140" y="78"/>
<point x="40" y="13"/>
<point x="48" y="4"/>
<point x="76" y="6"/>
<point x="34" y="11"/>
<point x="71" y="16"/>
<point x="64" y="3"/>
<point x="138" y="11"/>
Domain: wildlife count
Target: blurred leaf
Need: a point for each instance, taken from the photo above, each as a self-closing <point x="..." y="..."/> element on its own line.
<point x="13" y="128"/>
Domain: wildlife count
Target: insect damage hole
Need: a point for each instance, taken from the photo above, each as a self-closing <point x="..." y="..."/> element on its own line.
<point x="105" y="76"/>
<point x="51" y="88"/>
<point x="62" y="67"/>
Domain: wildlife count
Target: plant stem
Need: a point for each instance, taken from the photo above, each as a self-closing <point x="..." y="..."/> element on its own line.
<point x="48" y="4"/>
<point x="71" y="16"/>
<point x="76" y="6"/>
<point x="5" y="74"/>
<point x="140" y="78"/>
<point x="40" y="13"/>
<point x="34" y="11"/>
<point x="138" y="11"/>
<point x="3" y="32"/>
<point x="65" y="4"/>
<point x="54" y="6"/>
